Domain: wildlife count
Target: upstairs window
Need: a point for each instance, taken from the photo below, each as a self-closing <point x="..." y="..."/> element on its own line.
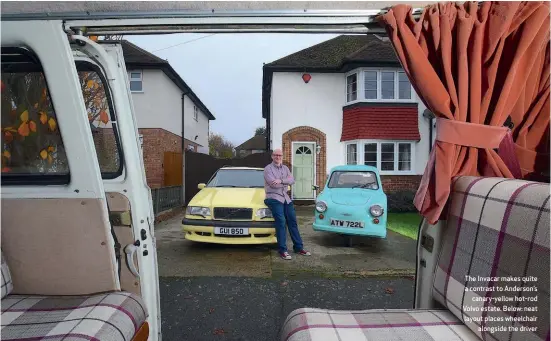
<point x="195" y="113"/>
<point x="136" y="81"/>
<point x="352" y="87"/>
<point x="378" y="85"/>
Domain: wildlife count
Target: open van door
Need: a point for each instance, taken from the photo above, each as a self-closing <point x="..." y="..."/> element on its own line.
<point x="76" y="208"/>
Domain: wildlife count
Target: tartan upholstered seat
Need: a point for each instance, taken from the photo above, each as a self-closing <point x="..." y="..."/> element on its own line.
<point x="6" y="283"/>
<point x="114" y="316"/>
<point x="382" y="325"/>
<point x="497" y="228"/>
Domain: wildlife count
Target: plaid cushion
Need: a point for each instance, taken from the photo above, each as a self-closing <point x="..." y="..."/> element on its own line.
<point x="7" y="285"/>
<point x="308" y="324"/>
<point x="497" y="232"/>
<point x="112" y="316"/>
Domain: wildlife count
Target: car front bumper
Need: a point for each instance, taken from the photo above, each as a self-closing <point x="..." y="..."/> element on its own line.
<point x="199" y="230"/>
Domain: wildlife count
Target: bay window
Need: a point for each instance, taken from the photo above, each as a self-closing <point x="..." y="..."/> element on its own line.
<point x="351" y="154"/>
<point x="378" y="85"/>
<point x="390" y="157"/>
<point x="352" y="87"/>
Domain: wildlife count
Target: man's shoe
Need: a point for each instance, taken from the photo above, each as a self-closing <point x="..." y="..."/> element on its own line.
<point x="304" y="252"/>
<point x="285" y="255"/>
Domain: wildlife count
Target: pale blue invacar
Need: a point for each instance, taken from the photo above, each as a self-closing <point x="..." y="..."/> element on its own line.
<point x="352" y="202"/>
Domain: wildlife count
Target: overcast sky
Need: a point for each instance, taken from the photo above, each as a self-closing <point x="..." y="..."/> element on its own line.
<point x="225" y="71"/>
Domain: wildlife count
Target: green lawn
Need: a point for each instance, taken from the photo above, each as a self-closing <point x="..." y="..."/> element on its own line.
<point x="406" y="224"/>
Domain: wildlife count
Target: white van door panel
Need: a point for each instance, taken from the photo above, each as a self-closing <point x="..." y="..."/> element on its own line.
<point x="132" y="183"/>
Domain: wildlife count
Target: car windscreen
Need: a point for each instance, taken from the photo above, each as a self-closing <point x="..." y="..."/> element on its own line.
<point x="238" y="178"/>
<point x="353" y="179"/>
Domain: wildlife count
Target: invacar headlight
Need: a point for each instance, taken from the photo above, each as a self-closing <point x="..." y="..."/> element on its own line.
<point x="197" y="210"/>
<point x="376" y="210"/>
<point x="321" y="206"/>
<point x="264" y="213"/>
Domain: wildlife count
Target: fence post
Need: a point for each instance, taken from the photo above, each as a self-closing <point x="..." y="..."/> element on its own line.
<point x="157" y="195"/>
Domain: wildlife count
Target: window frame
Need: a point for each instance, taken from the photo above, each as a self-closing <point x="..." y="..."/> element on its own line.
<point x="349" y="74"/>
<point x="91" y="67"/>
<point x="130" y="80"/>
<point x="28" y="61"/>
<point x="195" y="113"/>
<point x="360" y="154"/>
<point x="346" y="154"/>
<point x="360" y="76"/>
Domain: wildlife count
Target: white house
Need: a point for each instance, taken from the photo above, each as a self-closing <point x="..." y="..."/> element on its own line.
<point x="170" y="116"/>
<point x="346" y="101"/>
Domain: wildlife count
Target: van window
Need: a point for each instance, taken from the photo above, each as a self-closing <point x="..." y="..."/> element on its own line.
<point x="32" y="147"/>
<point x="103" y="125"/>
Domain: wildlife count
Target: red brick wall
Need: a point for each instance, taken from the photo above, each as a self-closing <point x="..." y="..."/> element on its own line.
<point x="395" y="183"/>
<point x="156" y="142"/>
<point x="307" y="134"/>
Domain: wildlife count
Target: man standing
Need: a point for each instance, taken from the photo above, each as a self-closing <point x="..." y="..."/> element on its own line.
<point x="276" y="179"/>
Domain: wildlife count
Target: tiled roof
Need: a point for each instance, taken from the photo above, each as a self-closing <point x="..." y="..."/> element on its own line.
<point x="336" y="52"/>
<point x="134" y="54"/>
<point x="400" y="122"/>
<point x="137" y="58"/>
<point x="257" y="142"/>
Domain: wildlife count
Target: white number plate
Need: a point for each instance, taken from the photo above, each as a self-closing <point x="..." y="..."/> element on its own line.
<point x="231" y="231"/>
<point x="346" y="223"/>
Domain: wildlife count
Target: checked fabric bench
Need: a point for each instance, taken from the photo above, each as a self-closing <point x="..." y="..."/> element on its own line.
<point x="497" y="232"/>
<point x="113" y="316"/>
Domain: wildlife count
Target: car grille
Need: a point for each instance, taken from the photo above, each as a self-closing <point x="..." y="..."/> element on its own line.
<point x="232" y="213"/>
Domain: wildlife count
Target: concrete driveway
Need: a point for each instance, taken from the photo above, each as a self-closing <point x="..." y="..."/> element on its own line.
<point x="242" y="293"/>
<point x="394" y="255"/>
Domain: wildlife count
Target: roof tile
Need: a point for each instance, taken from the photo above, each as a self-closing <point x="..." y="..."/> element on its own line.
<point x="393" y="123"/>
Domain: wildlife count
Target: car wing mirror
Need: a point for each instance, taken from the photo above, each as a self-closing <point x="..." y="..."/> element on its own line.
<point x="315" y="188"/>
<point x="201" y="186"/>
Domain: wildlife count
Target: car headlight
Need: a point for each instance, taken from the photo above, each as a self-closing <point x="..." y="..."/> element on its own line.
<point x="321" y="206"/>
<point x="264" y="213"/>
<point x="376" y="210"/>
<point x="197" y="210"/>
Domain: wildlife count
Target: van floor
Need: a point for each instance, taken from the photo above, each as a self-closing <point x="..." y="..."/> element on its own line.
<point x="245" y="308"/>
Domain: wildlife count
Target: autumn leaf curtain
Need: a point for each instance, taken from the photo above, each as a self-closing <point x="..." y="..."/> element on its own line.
<point x="483" y="70"/>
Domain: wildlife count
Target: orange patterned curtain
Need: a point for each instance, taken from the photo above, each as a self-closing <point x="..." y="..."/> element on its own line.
<point x="483" y="70"/>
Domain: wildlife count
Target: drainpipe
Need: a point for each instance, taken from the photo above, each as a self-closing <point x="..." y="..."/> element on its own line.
<point x="183" y="117"/>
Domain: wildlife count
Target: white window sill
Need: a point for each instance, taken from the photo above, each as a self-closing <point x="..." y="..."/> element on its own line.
<point x="397" y="101"/>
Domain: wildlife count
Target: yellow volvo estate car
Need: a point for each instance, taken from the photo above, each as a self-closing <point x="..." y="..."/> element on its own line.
<point x="230" y="209"/>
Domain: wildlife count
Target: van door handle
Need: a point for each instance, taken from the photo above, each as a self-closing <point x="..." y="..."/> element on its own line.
<point x="130" y="250"/>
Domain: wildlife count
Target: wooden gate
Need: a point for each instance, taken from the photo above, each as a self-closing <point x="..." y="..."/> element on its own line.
<point x="173" y="169"/>
<point x="201" y="167"/>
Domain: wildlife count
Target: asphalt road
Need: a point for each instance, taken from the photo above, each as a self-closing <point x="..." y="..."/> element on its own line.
<point x="253" y="309"/>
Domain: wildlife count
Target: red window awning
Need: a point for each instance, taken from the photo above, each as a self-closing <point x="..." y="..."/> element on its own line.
<point x="381" y="122"/>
